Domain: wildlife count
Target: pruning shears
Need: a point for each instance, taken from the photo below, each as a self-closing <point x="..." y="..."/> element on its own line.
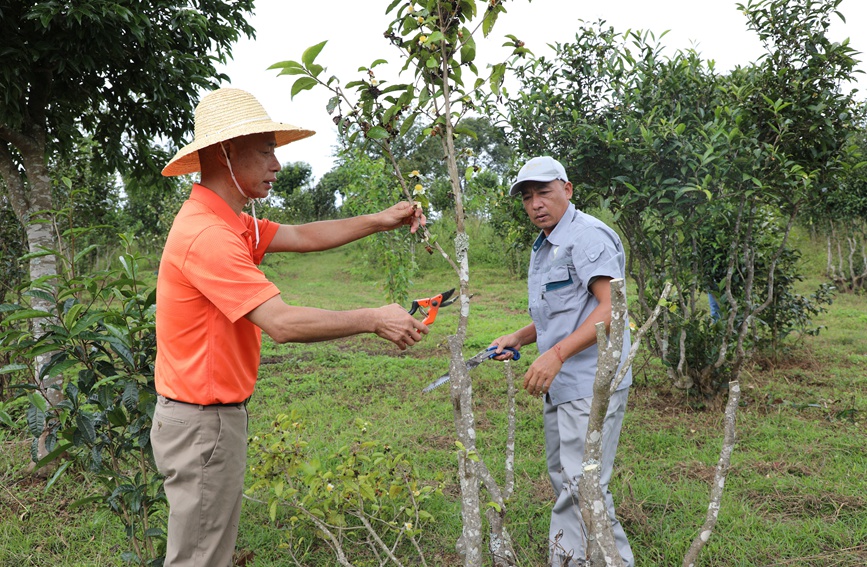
<point x="433" y="304"/>
<point x="486" y="354"/>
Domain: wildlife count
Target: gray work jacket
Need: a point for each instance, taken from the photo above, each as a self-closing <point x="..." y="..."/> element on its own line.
<point x="562" y="266"/>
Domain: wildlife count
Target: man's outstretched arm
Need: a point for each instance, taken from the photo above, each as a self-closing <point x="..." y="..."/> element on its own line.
<point x="328" y="234"/>
<point x="287" y="323"/>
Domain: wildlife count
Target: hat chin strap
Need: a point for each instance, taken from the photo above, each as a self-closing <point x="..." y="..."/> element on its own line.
<point x="241" y="191"/>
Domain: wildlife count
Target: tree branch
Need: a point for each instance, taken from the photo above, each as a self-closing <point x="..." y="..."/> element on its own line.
<point x="722" y="468"/>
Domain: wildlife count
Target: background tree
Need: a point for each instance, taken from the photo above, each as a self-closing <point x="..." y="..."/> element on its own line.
<point x="295" y="199"/>
<point x="122" y="73"/>
<point x="151" y="201"/>
<point x="481" y="148"/>
<point x="704" y="174"/>
<point x="839" y="210"/>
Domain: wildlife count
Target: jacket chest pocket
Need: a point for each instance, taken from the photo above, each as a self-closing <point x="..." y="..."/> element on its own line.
<point x="559" y="290"/>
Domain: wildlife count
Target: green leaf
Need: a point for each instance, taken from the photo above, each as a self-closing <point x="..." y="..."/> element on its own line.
<point x="333" y="103"/>
<point x="292" y="71"/>
<point x="85" y="323"/>
<point x="10" y="368"/>
<point x="366" y="492"/>
<point x="302" y="84"/>
<point x="35" y="420"/>
<point x="377" y="133"/>
<point x="71" y="315"/>
<point x="38" y="401"/>
<point x="316" y="70"/>
<point x="495" y="506"/>
<point x="85" y="426"/>
<point x="468" y="49"/>
<point x="57" y="475"/>
<point x="311" y="52"/>
<point x="84" y="252"/>
<point x="491" y="19"/>
<point x="498" y="72"/>
<point x="59" y="367"/>
<point x="407" y="123"/>
<point x="130" y="396"/>
<point x="26" y="314"/>
<point x="286" y="65"/>
<point x="30" y="256"/>
<point x="434" y="37"/>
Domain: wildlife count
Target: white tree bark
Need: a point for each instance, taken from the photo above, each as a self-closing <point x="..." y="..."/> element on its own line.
<point x="601" y="547"/>
<point x="719" y="480"/>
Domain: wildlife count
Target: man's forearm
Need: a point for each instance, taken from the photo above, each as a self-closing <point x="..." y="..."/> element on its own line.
<point x="585" y="335"/>
<point x="526" y="335"/>
<point x="328" y="234"/>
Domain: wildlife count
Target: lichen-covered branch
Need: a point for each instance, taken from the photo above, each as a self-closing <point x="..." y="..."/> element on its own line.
<point x="636" y="337"/>
<point x="601" y="547"/>
<point x="719" y="480"/>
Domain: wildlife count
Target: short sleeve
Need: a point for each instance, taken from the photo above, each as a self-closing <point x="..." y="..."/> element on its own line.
<point x="267" y="231"/>
<point x="597" y="254"/>
<point x="219" y="265"/>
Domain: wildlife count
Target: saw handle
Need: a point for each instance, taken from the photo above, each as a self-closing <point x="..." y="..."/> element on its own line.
<point x="515" y="354"/>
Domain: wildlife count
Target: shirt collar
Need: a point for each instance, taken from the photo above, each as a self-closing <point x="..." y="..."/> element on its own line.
<point x="558" y="236"/>
<point x="221" y="208"/>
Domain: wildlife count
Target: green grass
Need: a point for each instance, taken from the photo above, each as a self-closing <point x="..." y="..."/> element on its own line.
<point x="796" y="494"/>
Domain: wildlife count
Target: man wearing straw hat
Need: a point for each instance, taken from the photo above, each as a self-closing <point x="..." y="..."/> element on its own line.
<point x="212" y="304"/>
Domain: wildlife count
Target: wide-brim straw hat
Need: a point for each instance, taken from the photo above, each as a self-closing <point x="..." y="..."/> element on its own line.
<point x="225" y="114"/>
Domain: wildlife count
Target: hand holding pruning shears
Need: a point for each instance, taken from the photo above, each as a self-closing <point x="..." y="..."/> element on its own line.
<point x="433" y="304"/>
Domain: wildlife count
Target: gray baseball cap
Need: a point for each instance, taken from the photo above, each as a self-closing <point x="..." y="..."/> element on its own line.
<point x="543" y="169"/>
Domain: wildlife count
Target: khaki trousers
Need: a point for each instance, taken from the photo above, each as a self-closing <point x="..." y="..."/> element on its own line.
<point x="565" y="432"/>
<point x="202" y="452"/>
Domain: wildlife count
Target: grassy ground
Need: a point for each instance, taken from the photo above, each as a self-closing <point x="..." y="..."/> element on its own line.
<point x="796" y="494"/>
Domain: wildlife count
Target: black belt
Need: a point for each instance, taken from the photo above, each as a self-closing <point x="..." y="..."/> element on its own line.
<point x="233" y="405"/>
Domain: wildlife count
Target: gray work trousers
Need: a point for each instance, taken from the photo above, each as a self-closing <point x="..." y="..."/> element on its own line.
<point x="202" y="452"/>
<point x="565" y="431"/>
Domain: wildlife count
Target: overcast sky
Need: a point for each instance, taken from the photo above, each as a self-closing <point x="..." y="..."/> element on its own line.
<point x="353" y="28"/>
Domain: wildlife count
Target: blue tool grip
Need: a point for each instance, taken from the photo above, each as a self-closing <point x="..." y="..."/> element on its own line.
<point x="515" y="354"/>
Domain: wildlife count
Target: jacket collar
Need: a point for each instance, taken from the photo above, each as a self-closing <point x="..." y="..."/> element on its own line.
<point x="559" y="235"/>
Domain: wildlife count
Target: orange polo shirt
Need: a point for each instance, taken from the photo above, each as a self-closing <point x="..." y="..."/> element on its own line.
<point x="207" y="351"/>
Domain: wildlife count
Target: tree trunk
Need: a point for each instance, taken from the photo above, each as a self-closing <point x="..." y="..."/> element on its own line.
<point x="601" y="548"/>
<point x="719" y="480"/>
<point x="33" y="209"/>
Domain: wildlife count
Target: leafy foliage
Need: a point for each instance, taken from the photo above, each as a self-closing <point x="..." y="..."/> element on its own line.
<point x="700" y="171"/>
<point x="368" y="501"/>
<point x="366" y="187"/>
<point x="59" y="57"/>
<point x="152" y="201"/>
<point x="101" y="334"/>
<point x="295" y="199"/>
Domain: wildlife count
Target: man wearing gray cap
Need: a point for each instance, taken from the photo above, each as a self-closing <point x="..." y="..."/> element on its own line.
<point x="572" y="263"/>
